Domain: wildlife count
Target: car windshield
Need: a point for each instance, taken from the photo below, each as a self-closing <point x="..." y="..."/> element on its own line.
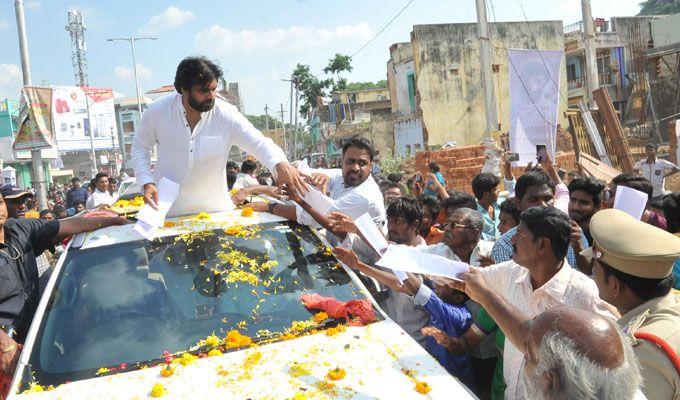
<point x="128" y="303"/>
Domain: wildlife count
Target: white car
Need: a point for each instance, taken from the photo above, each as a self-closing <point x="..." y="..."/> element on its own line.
<point x="226" y="287"/>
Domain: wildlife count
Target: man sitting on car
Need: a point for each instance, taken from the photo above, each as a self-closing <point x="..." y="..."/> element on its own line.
<point x="20" y="241"/>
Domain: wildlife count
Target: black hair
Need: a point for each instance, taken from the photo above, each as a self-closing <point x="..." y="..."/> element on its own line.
<point x="248" y="166"/>
<point x="433" y="167"/>
<point x="112" y="180"/>
<point x="394" y="177"/>
<point x="75" y="179"/>
<point x="644" y="288"/>
<point x="431" y="203"/>
<point x="231" y="179"/>
<point x="231" y="164"/>
<point x="406" y="207"/>
<point x="634" y="182"/>
<point x="592" y="186"/>
<point x="196" y="70"/>
<point x="397" y="185"/>
<point x="550" y="223"/>
<point x="75" y="203"/>
<point x="484" y="182"/>
<point x="45" y="212"/>
<point x="458" y="200"/>
<point x="361" y="142"/>
<point x="510" y="207"/>
<point x="671" y="209"/>
<point x="534" y="177"/>
<point x="99" y="176"/>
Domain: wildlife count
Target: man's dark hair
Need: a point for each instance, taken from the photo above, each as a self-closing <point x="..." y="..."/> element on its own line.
<point x="248" y="166"/>
<point x="394" y="177"/>
<point x="551" y="223"/>
<point x="45" y="212"/>
<point x="431" y="203"/>
<point x="361" y="142"/>
<point x="406" y="207"/>
<point x="534" y="177"/>
<point x="510" y="208"/>
<point x="484" y="182"/>
<point x="644" y="288"/>
<point x="397" y="185"/>
<point x="77" y="202"/>
<point x="231" y="179"/>
<point x="112" y="180"/>
<point x="100" y="176"/>
<point x="75" y="179"/>
<point x="231" y="164"/>
<point x="196" y="70"/>
<point x="459" y="200"/>
<point x="634" y="182"/>
<point x="671" y="209"/>
<point x="592" y="186"/>
<point x="433" y="167"/>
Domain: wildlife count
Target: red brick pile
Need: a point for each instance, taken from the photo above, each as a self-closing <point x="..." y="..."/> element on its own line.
<point x="460" y="165"/>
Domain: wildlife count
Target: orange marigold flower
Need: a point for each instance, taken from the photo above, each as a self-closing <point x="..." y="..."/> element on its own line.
<point x="336" y="374"/>
<point x="169" y="224"/>
<point x="247" y="212"/>
<point x="422" y="387"/>
<point x="167" y="371"/>
<point x="320" y="317"/>
<point x="235" y="339"/>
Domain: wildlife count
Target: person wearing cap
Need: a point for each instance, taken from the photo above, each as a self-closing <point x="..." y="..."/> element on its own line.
<point x="75" y="193"/>
<point x="655" y="169"/>
<point x="632" y="267"/>
<point x="15" y="199"/>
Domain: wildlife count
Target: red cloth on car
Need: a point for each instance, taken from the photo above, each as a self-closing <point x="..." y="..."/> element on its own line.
<point x="356" y="312"/>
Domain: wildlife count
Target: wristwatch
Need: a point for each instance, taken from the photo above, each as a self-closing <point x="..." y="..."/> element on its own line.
<point x="271" y="207"/>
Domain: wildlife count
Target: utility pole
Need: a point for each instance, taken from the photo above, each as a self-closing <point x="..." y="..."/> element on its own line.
<point x="297" y="110"/>
<point x="266" y="116"/>
<point x="36" y="157"/>
<point x="487" y="72"/>
<point x="283" y="126"/>
<point x="134" y="64"/>
<point x="590" y="50"/>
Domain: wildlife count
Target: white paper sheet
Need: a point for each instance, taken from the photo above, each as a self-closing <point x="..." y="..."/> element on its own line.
<point x="148" y="219"/>
<point x="319" y="201"/>
<point x="630" y="200"/>
<point x="411" y="259"/>
<point x="371" y="233"/>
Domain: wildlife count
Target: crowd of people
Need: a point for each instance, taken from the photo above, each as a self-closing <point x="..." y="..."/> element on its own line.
<point x="567" y="297"/>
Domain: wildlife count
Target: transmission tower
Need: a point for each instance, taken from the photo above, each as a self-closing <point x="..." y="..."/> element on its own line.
<point x="78" y="47"/>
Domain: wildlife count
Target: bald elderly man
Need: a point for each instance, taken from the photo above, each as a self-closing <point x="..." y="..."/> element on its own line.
<point x="568" y="353"/>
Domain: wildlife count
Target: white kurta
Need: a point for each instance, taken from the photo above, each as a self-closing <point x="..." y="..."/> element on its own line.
<point x="98" y="198"/>
<point x="196" y="160"/>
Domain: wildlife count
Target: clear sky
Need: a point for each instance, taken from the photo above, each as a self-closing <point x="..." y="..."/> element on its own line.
<point x="256" y="42"/>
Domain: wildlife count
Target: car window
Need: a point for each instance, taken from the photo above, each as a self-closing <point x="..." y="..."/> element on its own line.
<point x="129" y="303"/>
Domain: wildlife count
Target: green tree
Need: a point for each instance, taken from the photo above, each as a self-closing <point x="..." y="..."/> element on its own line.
<point x="659" y="7"/>
<point x="310" y="87"/>
<point x="337" y="65"/>
<point x="260" y="121"/>
<point x="366" y="85"/>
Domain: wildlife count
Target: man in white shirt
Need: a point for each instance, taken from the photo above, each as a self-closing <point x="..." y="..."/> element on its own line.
<point x="654" y="169"/>
<point x="538" y="278"/>
<point x="352" y="188"/>
<point x="194" y="130"/>
<point x="246" y="178"/>
<point x="101" y="195"/>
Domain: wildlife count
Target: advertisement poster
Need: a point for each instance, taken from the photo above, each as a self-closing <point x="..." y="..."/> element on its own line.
<point x="71" y="122"/>
<point x="35" y="119"/>
<point x="534" y="101"/>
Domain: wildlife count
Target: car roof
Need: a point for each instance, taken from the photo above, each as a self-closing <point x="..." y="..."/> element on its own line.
<point x="173" y="226"/>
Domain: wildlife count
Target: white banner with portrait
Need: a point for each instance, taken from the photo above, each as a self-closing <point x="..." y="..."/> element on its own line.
<point x="534" y="101"/>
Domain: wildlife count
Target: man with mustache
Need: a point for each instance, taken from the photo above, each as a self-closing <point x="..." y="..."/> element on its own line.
<point x="585" y="199"/>
<point x="194" y="130"/>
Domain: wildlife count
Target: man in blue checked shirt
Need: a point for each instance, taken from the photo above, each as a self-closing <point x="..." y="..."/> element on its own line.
<point x="535" y="188"/>
<point x="485" y="188"/>
<point x="445" y="305"/>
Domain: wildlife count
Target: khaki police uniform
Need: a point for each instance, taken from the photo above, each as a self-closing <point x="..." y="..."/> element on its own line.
<point x="642" y="250"/>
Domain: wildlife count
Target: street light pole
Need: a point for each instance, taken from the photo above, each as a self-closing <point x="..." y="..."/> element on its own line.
<point x="36" y="157"/>
<point x="134" y="68"/>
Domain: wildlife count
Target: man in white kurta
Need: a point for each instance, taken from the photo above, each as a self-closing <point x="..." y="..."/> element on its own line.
<point x="194" y="130"/>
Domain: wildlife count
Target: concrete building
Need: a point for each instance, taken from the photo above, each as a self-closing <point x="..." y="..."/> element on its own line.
<point x="435" y="82"/>
<point x="619" y="45"/>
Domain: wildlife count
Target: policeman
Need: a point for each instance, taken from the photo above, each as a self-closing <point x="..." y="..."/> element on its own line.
<point x="632" y="267"/>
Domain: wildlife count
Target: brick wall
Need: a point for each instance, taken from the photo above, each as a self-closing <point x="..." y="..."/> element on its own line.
<point x="460" y="165"/>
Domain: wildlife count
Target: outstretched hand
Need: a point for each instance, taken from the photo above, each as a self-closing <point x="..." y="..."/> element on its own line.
<point x="288" y="175"/>
<point x="347" y="257"/>
<point x="151" y="195"/>
<point x="442" y="338"/>
<point x="472" y="283"/>
<point x="342" y="224"/>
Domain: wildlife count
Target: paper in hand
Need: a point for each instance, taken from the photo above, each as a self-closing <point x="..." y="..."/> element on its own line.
<point x="412" y="259"/>
<point x="631" y="201"/>
<point x="318" y="201"/>
<point x="148" y="219"/>
<point x="371" y="233"/>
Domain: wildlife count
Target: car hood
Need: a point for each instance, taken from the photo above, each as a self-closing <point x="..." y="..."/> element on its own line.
<point x="380" y="361"/>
